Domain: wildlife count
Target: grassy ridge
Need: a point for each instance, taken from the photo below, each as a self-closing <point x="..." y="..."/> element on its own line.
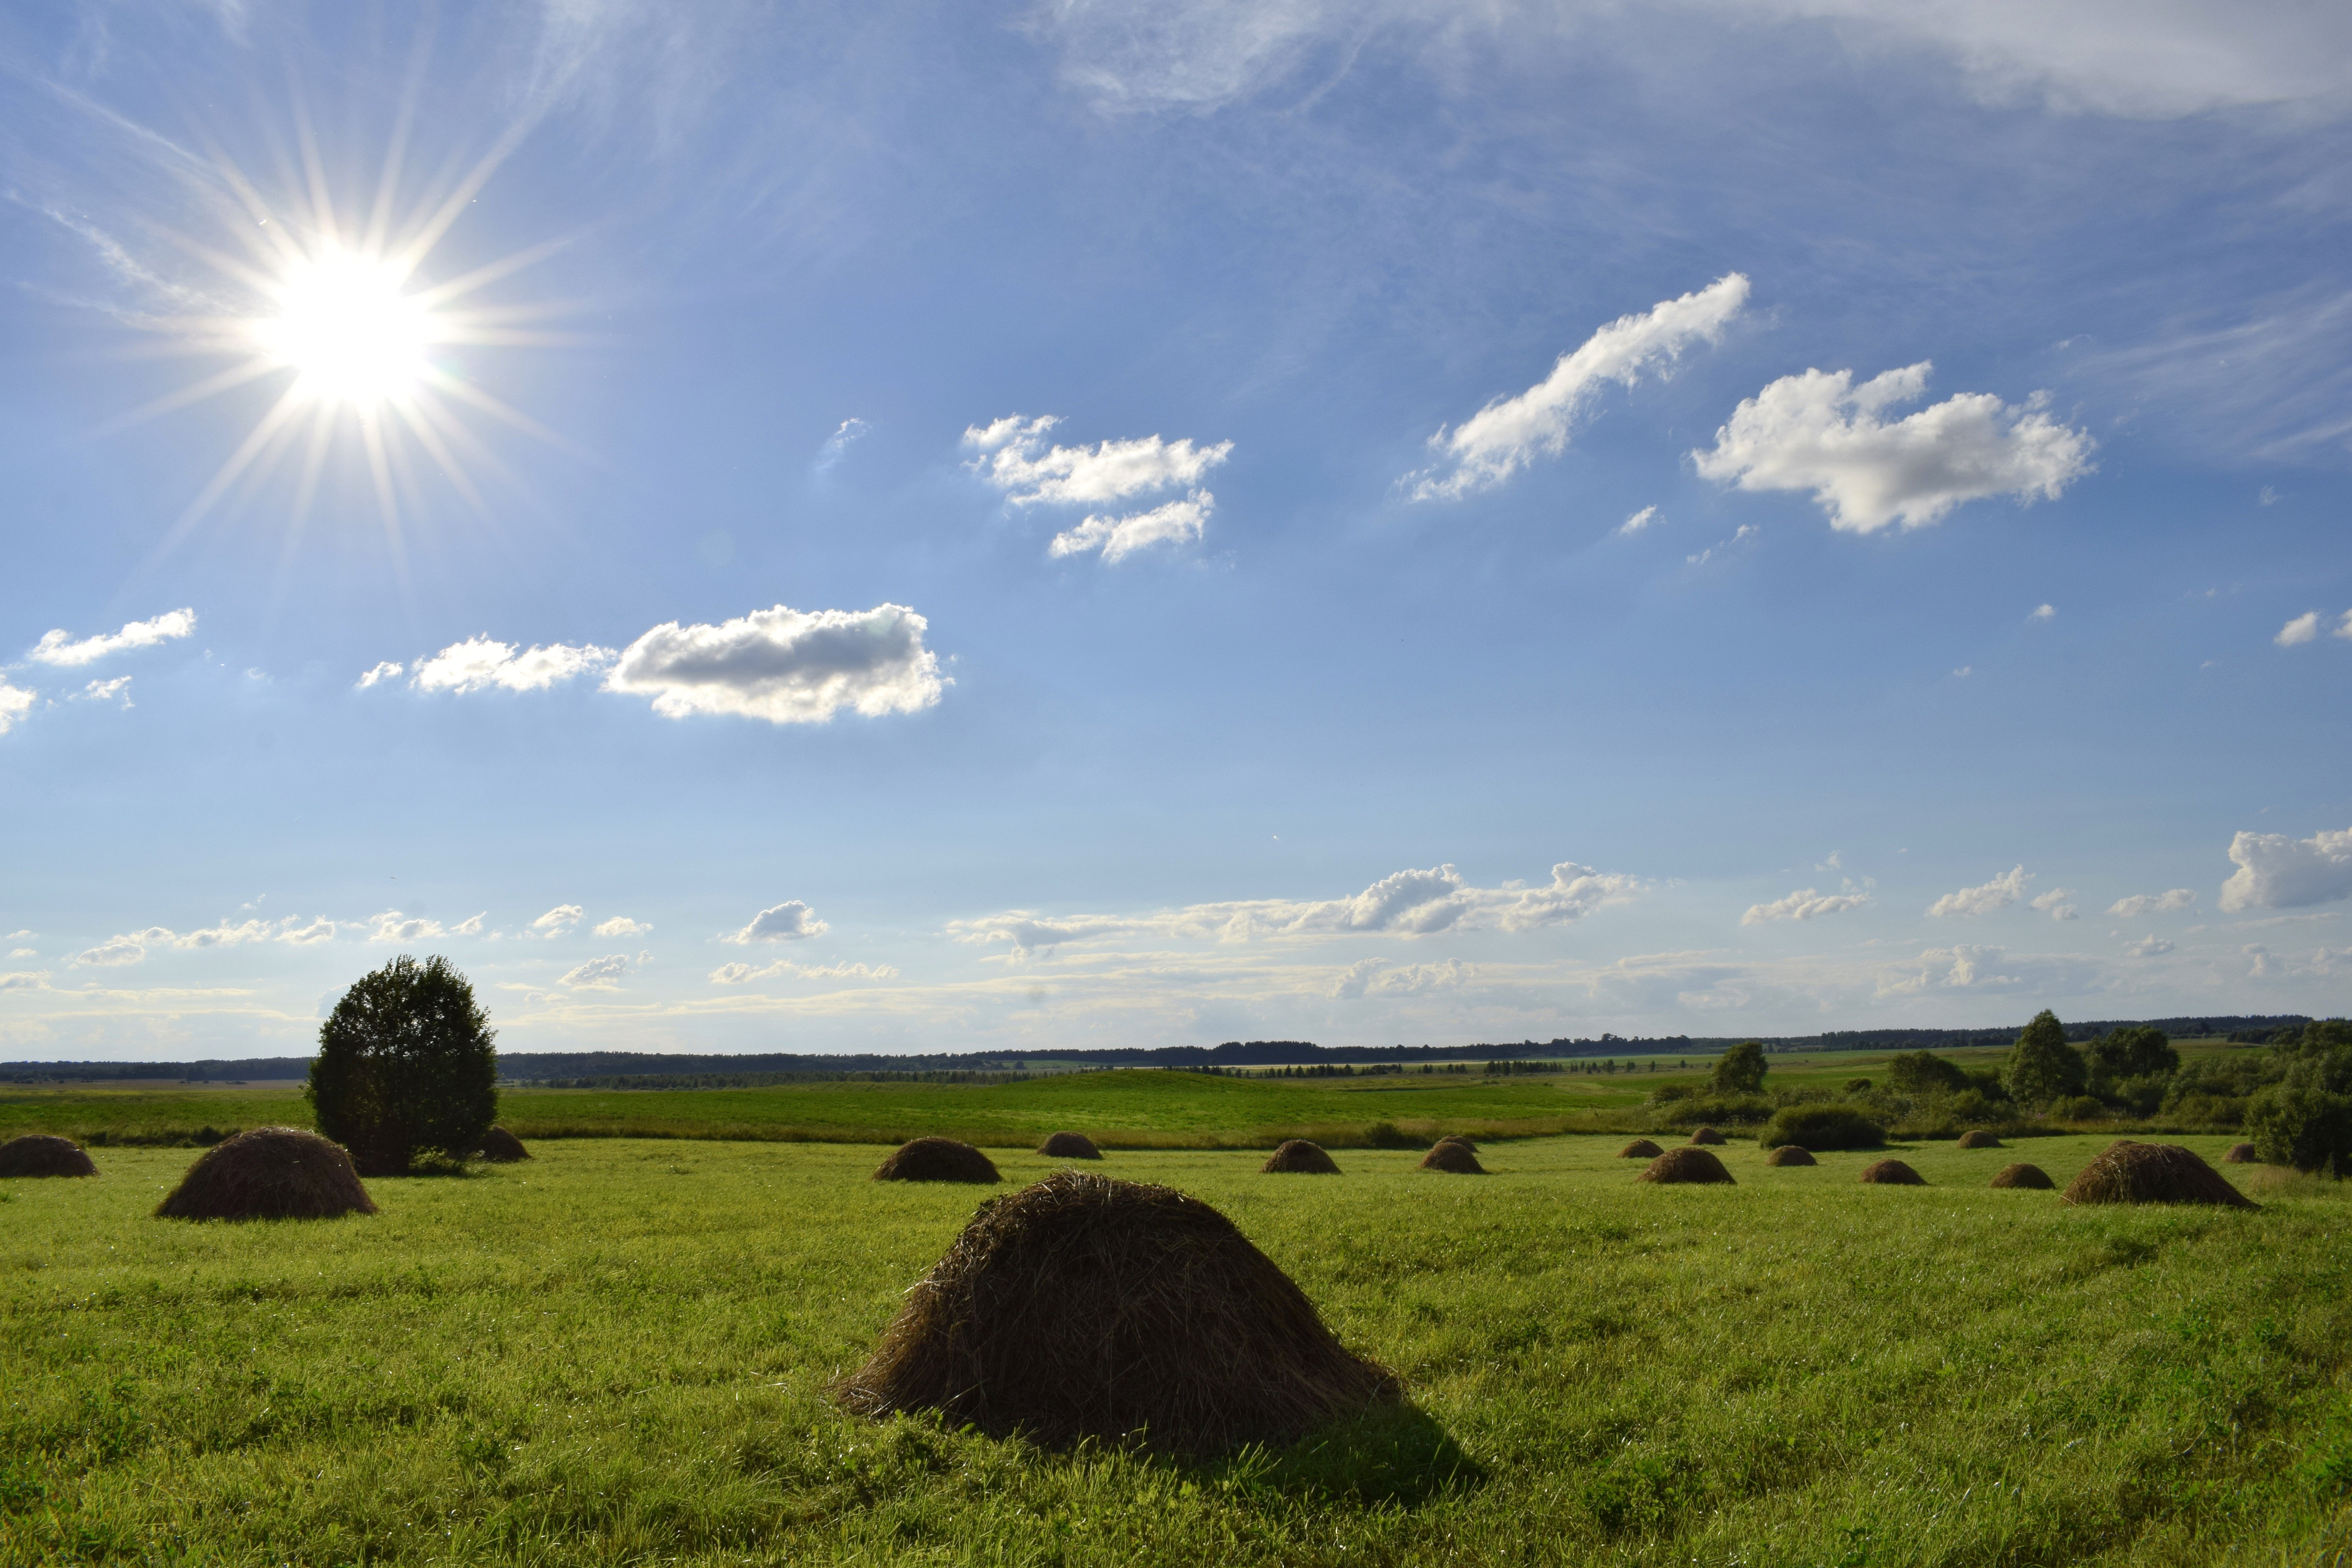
<point x="619" y="1352"/>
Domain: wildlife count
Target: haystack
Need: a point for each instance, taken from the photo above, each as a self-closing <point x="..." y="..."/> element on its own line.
<point x="1301" y="1158"/>
<point x="1447" y="1155"/>
<point x="1069" y="1146"/>
<point x="1086" y="1306"/>
<point x="501" y="1147"/>
<point x="1892" y="1174"/>
<point x="1640" y="1149"/>
<point x="936" y="1160"/>
<point x="1978" y="1138"/>
<point x="2239" y="1154"/>
<point x="1707" y="1135"/>
<point x="2131" y="1173"/>
<point x="1685" y="1164"/>
<point x="270" y="1173"/>
<point x="1790" y="1154"/>
<point x="2024" y="1175"/>
<point x="39" y="1155"/>
<point x="1461" y="1138"/>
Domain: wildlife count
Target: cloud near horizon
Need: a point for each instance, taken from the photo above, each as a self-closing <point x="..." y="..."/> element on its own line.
<point x="743" y="973"/>
<point x="2276" y="872"/>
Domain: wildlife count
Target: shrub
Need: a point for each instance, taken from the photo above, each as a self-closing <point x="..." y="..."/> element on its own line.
<point x="1820" y="1127"/>
<point x="1740" y="1069"/>
<point x="1857" y="1086"/>
<point x="2042" y="1065"/>
<point x="2309" y="1129"/>
<point x="1925" y="1072"/>
<point x="2139" y="1051"/>
<point x="406" y="1065"/>
<point x="1740" y="1110"/>
<point x="2079" y="1108"/>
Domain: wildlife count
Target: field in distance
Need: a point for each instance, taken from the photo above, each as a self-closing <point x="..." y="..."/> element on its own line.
<point x="619" y="1351"/>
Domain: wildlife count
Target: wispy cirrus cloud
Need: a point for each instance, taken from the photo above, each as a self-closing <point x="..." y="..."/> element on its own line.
<point x="785" y="968"/>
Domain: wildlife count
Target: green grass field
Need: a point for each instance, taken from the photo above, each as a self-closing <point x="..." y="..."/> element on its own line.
<point x="619" y="1351"/>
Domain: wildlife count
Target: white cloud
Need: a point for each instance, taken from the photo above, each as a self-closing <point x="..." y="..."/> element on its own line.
<point x="1993" y="969"/>
<point x="597" y="973"/>
<point x="1509" y="433"/>
<point x="2044" y="612"/>
<point x="24" y="980"/>
<point x="2138" y="904"/>
<point x="786" y="665"/>
<point x="838" y="442"/>
<point x="1818" y="432"/>
<point x="14" y="703"/>
<point x="1982" y="900"/>
<point x="1746" y="531"/>
<point x="59" y="648"/>
<point x="742" y="973"/>
<point x="23" y="953"/>
<point x="1176" y="522"/>
<point x="1375" y="977"/>
<point x="789" y="921"/>
<point x="559" y="920"/>
<point x="394" y="926"/>
<point x="2150" y="946"/>
<point x="1013" y="457"/>
<point x="2344" y="627"/>
<point x="621" y="925"/>
<point x="1804" y="905"/>
<point x="387" y="670"/>
<point x="2301" y="629"/>
<point x="118" y="950"/>
<point x="1638" y="521"/>
<point x="479" y="663"/>
<point x="105" y="691"/>
<point x="2275" y="872"/>
<point x="2054" y="903"/>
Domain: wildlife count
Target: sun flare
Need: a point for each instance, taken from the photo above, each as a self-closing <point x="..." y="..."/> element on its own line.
<point x="348" y="330"/>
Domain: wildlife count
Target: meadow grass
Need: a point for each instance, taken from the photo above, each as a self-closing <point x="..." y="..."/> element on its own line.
<point x="619" y="1352"/>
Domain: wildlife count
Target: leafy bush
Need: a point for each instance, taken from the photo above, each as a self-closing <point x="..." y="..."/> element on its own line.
<point x="1740" y="1069"/>
<point x="1820" y="1127"/>
<point x="405" y="1064"/>
<point x="2140" y="1051"/>
<point x="2042" y="1065"/>
<point x="2309" y="1129"/>
<point x="1713" y="1109"/>
<point x="1925" y="1072"/>
<point x="2079" y="1108"/>
<point x="1987" y="1082"/>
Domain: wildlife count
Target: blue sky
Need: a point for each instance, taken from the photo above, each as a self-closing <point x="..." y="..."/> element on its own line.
<point x="968" y="527"/>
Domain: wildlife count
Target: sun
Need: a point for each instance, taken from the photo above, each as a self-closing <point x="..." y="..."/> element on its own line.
<point x="349" y="330"/>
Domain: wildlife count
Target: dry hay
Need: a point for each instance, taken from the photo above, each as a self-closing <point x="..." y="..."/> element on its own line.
<point x="1892" y="1174"/>
<point x="1300" y="1158"/>
<point x="501" y="1147"/>
<point x="1456" y="1158"/>
<point x="270" y="1173"/>
<point x="1790" y="1154"/>
<point x="1707" y="1135"/>
<point x="1640" y="1149"/>
<point x="1978" y="1138"/>
<point x="1069" y="1146"/>
<point x="936" y="1160"/>
<point x="2131" y="1173"/>
<point x="1685" y="1164"/>
<point x="40" y="1154"/>
<point x="2024" y="1175"/>
<point x="2239" y="1154"/>
<point x="1461" y="1138"/>
<point x="1086" y="1306"/>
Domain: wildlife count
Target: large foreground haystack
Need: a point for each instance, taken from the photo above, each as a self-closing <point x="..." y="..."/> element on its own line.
<point x="1640" y="1149"/>
<point x="1069" y="1146"/>
<point x="2241" y="1155"/>
<point x="1978" y="1138"/>
<point x="1685" y="1164"/>
<point x="1085" y="1307"/>
<point x="501" y="1147"/>
<point x="2131" y="1173"/>
<point x="1299" y="1157"/>
<point x="1456" y="1158"/>
<point x="39" y="1155"/>
<point x="1790" y="1154"/>
<point x="270" y="1173"/>
<point x="936" y="1160"/>
<point x="1892" y="1174"/>
<point x="1707" y="1135"/>
<point x="2024" y="1175"/>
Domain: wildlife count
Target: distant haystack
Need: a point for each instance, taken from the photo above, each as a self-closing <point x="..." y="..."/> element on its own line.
<point x="1892" y="1174"/>
<point x="39" y="1155"/>
<point x="1640" y="1149"/>
<point x="1448" y="1155"/>
<point x="1978" y="1138"/>
<point x="1299" y="1157"/>
<point x="501" y="1147"/>
<point x="936" y="1160"/>
<point x="270" y="1173"/>
<point x="2024" y="1175"/>
<point x="1707" y="1135"/>
<point x="1087" y="1307"/>
<point x="2241" y="1155"/>
<point x="1790" y="1154"/>
<point x="1685" y="1164"/>
<point x="1069" y="1146"/>
<point x="2131" y="1173"/>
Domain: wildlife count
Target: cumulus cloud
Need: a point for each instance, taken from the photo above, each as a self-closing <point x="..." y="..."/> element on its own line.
<point x="118" y="950"/>
<point x="105" y="691"/>
<point x="621" y="925"/>
<point x="789" y="921"/>
<point x="131" y="947"/>
<point x="2044" y="612"/>
<point x="1820" y="432"/>
<point x="2276" y="872"/>
<point x="1013" y="457"/>
<point x="14" y="703"/>
<point x="2054" y="903"/>
<point x="743" y="973"/>
<point x="1985" y="898"/>
<point x="59" y="647"/>
<point x="2302" y="629"/>
<point x="1509" y="433"/>
<point x="558" y="921"/>
<point x="786" y="665"/>
<point x="2149" y="947"/>
<point x="24" y="980"/>
<point x="479" y="663"/>
<point x="1990" y="970"/>
<point x="1176" y="522"/>
<point x="2344" y="627"/>
<point x="1804" y="904"/>
<point x="1376" y="977"/>
<point x="387" y="670"/>
<point x="1638" y="521"/>
<point x="597" y="973"/>
<point x="2164" y="904"/>
<point x="394" y="926"/>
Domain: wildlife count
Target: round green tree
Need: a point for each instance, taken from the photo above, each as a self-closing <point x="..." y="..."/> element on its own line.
<point x="406" y="1067"/>
<point x="2139" y="1051"/>
<point x="2042" y="1065"/>
<point x="1740" y="1069"/>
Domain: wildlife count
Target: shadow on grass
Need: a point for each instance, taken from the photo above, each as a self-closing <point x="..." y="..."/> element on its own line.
<point x="1393" y="1454"/>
